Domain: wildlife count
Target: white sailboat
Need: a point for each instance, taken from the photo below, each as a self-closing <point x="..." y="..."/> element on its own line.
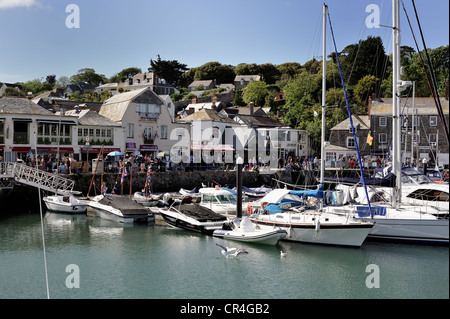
<point x="310" y="225"/>
<point x="396" y="221"/>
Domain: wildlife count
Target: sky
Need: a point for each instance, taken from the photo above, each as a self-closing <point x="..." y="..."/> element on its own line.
<point x="35" y="40"/>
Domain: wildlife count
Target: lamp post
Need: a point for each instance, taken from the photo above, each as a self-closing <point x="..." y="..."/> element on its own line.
<point x="239" y="163"/>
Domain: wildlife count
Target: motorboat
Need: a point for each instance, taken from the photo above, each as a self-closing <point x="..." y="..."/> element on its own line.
<point x="147" y="200"/>
<point x="246" y="231"/>
<point x="193" y="217"/>
<point x="219" y="200"/>
<point x="305" y="223"/>
<point x="121" y="209"/>
<point x="65" y="204"/>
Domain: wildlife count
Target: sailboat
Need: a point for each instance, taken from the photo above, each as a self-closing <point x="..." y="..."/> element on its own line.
<point x="396" y="221"/>
<point x="311" y="225"/>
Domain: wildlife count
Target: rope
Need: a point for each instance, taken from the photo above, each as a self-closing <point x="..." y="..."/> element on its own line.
<point x="350" y="117"/>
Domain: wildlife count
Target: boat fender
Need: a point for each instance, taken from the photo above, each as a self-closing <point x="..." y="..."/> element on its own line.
<point x="317" y="226"/>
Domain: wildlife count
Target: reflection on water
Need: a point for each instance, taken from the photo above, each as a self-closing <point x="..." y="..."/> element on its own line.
<point x="139" y="261"/>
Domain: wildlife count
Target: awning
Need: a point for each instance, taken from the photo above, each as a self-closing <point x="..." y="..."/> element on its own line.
<point x="149" y="148"/>
<point x="21" y="149"/>
<point x="106" y="150"/>
<point x="212" y="147"/>
<point x="55" y="149"/>
<point x="2" y="147"/>
<point x="22" y="120"/>
<point x="57" y="122"/>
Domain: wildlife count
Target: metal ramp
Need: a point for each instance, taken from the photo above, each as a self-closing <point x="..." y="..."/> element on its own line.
<point x="34" y="177"/>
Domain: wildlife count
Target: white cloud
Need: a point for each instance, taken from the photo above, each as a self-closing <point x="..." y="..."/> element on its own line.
<point x="8" y="4"/>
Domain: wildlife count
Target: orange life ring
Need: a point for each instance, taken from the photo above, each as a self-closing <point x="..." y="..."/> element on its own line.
<point x="263" y="205"/>
<point x="249" y="210"/>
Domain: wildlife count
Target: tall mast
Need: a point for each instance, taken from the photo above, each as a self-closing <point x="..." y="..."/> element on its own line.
<point x="396" y="145"/>
<point x="324" y="86"/>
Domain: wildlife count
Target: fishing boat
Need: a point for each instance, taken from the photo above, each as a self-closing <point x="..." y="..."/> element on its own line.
<point x="121" y="209"/>
<point x="246" y="231"/>
<point x="65" y="204"/>
<point x="193" y="217"/>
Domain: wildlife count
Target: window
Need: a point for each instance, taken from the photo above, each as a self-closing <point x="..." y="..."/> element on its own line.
<point x="433" y="120"/>
<point x="382" y="138"/>
<point x="163" y="131"/>
<point x="130" y="130"/>
<point x="351" y="142"/>
<point x="382" y="121"/>
<point x="432" y="138"/>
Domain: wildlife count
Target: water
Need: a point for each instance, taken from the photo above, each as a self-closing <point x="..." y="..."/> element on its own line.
<point x="159" y="262"/>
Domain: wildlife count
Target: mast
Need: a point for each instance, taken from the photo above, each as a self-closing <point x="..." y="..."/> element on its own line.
<point x="324" y="85"/>
<point x="396" y="147"/>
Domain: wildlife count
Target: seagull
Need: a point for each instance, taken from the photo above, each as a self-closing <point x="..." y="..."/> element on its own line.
<point x="283" y="254"/>
<point x="231" y="252"/>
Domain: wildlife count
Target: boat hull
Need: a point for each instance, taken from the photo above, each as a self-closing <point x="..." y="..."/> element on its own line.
<point x="348" y="234"/>
<point x="175" y="220"/>
<point x="411" y="230"/>
<point x="268" y="237"/>
<point x="111" y="213"/>
<point x="55" y="205"/>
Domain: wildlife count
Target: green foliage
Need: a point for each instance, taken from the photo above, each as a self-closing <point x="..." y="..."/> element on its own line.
<point x="88" y="76"/>
<point x="125" y="74"/>
<point x="9" y="91"/>
<point x="255" y="92"/>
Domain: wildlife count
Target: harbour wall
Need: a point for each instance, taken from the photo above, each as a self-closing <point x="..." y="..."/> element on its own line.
<point x="24" y="196"/>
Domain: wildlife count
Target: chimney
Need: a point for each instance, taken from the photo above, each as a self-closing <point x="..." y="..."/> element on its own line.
<point x="195" y="99"/>
<point x="250" y="107"/>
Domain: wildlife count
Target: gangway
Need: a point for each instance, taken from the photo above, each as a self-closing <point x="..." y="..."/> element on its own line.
<point x="34" y="177"/>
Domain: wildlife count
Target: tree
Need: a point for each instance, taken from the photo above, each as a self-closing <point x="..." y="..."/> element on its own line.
<point x="88" y="76"/>
<point x="215" y="71"/>
<point x="62" y="81"/>
<point x="51" y="79"/>
<point x="363" y="90"/>
<point x="125" y="74"/>
<point x="255" y="93"/>
<point x="169" y="70"/>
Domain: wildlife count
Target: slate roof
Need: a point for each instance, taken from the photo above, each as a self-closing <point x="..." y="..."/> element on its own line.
<point x="208" y="115"/>
<point x="362" y="120"/>
<point x="259" y="121"/>
<point x="91" y="118"/>
<point x="15" y="105"/>
<point x="423" y="105"/>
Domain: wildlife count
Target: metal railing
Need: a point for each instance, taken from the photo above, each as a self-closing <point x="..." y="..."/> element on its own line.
<point x="37" y="178"/>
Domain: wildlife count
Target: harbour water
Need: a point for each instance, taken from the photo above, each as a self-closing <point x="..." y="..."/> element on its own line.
<point x="159" y="262"/>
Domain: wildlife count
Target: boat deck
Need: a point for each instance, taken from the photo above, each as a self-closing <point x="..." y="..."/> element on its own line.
<point x="126" y="205"/>
<point x="200" y="213"/>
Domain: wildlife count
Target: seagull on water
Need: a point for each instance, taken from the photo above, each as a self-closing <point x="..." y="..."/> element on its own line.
<point x="283" y="254"/>
<point x="231" y="252"/>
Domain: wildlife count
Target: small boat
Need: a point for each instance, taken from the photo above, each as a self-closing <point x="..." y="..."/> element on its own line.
<point x="193" y="217"/>
<point x="146" y="200"/>
<point x="219" y="200"/>
<point x="65" y="204"/>
<point x="245" y="231"/>
<point x="121" y="209"/>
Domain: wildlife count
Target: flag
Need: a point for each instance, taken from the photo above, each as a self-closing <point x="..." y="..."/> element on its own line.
<point x="369" y="139"/>
<point x="124" y="174"/>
